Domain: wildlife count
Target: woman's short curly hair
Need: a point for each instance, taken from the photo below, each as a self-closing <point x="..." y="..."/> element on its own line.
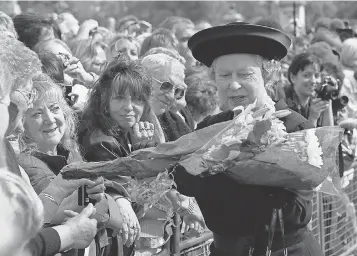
<point x="120" y="76"/>
<point x="46" y="90"/>
<point x="21" y="62"/>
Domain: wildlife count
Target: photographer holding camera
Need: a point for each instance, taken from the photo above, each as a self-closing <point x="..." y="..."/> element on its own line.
<point x="304" y="77"/>
<point x="314" y="90"/>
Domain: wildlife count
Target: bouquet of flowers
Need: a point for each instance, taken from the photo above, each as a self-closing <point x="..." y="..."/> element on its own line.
<point x="253" y="148"/>
<point x="256" y="149"/>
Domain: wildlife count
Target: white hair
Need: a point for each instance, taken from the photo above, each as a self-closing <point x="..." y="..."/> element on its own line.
<point x="155" y="63"/>
<point x="349" y="53"/>
<point x="271" y="70"/>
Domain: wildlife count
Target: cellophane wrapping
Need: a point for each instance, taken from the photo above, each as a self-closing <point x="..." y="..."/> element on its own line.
<point x="255" y="149"/>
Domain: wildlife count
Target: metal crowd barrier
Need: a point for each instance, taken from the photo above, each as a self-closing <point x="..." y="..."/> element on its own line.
<point x="333" y="223"/>
<point x="334" y="219"/>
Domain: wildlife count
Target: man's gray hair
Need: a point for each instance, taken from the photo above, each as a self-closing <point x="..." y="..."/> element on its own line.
<point x="155" y="63"/>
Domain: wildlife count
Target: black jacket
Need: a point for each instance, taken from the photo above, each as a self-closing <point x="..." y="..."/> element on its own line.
<point x="174" y="126"/>
<point x="238" y="210"/>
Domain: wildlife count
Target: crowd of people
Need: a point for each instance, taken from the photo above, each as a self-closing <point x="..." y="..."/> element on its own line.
<point x="74" y="92"/>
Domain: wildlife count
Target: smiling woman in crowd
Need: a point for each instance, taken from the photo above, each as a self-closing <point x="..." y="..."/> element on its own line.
<point x="168" y="97"/>
<point x="118" y="108"/>
<point x="304" y="76"/>
<point x="48" y="143"/>
<point x="116" y="122"/>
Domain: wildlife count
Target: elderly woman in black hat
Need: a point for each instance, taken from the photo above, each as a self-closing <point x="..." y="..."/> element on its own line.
<point x="248" y="219"/>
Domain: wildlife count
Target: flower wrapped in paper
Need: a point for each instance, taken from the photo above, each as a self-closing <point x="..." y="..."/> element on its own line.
<point x="255" y="149"/>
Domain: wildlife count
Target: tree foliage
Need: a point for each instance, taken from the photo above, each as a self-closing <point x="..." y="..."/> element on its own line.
<point x="212" y="11"/>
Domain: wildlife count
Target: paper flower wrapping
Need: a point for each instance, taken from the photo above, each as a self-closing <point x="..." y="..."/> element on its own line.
<point x="255" y="149"/>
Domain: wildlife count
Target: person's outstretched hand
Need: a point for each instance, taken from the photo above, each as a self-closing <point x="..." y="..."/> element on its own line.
<point x="96" y="191"/>
<point x="130" y="230"/>
<point x="81" y="227"/>
<point x="61" y="188"/>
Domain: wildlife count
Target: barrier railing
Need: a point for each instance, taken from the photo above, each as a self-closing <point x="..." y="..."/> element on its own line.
<point x="333" y="224"/>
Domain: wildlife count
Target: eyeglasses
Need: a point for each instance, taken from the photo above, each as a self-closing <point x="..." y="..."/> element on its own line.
<point x="30" y="96"/>
<point x="166" y="86"/>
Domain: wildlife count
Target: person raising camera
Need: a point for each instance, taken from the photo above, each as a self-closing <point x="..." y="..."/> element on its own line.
<point x="307" y="94"/>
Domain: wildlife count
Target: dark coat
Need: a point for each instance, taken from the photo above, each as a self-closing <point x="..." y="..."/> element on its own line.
<point x="239" y="211"/>
<point x="173" y="125"/>
<point x="98" y="146"/>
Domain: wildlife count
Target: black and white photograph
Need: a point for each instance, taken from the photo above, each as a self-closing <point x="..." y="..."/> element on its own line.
<point x="178" y="128"/>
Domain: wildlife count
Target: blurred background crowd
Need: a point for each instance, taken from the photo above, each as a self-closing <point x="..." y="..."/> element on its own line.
<point x="63" y="60"/>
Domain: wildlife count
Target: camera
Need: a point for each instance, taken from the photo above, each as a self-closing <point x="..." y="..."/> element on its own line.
<point x="339" y="103"/>
<point x="328" y="90"/>
<point x="346" y="33"/>
<point x="65" y="59"/>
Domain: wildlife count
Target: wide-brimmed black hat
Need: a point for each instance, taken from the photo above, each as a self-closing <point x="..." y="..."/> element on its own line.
<point x="238" y="37"/>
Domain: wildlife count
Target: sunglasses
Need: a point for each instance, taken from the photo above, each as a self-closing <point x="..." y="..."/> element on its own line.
<point x="166" y="87"/>
<point x="30" y="96"/>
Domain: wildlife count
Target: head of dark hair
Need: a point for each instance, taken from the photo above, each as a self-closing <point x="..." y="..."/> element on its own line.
<point x="205" y="103"/>
<point x="52" y="66"/>
<point x="119" y="77"/>
<point x="32" y="28"/>
<point x="300" y="62"/>
<point x="334" y="70"/>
